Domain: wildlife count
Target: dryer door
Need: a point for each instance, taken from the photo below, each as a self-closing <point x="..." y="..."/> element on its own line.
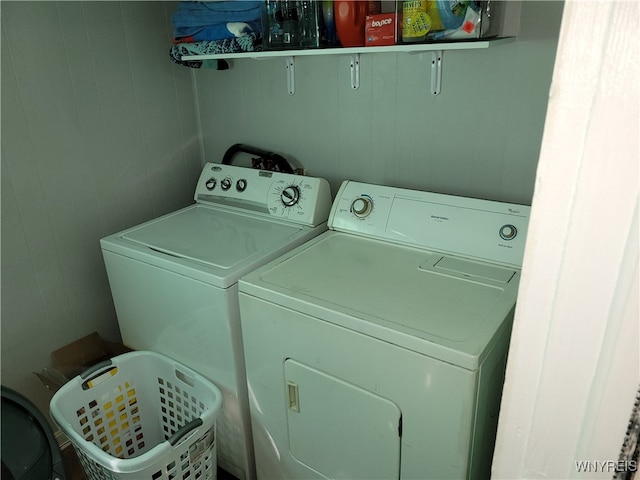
<point x="338" y="429"/>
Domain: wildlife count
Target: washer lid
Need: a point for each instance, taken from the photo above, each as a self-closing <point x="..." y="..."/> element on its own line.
<point x="214" y="237"/>
<point x="447" y="307"/>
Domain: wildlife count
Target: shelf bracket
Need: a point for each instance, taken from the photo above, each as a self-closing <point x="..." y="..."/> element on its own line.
<point x="291" y="76"/>
<point x="355" y="71"/>
<point x="436" y="72"/>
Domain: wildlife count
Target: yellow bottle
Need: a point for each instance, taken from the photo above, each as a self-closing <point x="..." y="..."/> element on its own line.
<point x="416" y="22"/>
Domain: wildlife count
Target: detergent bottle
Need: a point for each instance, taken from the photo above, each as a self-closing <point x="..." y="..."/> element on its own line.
<point x="350" y="17"/>
<point x="329" y="23"/>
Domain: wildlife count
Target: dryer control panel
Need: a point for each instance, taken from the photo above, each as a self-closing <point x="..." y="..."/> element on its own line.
<point x="296" y="198"/>
<point x="469" y="227"/>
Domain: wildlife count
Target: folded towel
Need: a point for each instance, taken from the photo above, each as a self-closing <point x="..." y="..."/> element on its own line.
<point x="220" y="32"/>
<point x="208" y="20"/>
<point x="244" y="43"/>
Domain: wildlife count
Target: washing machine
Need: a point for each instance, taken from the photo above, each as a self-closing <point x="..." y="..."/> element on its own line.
<point x="174" y="279"/>
<point x="377" y="349"/>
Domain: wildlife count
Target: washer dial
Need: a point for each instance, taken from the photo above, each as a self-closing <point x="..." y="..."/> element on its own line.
<point x="362" y="206"/>
<point x="226" y="183"/>
<point x="290" y="195"/>
<point x="211" y="183"/>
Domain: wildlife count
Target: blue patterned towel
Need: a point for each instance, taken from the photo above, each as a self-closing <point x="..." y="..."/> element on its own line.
<point x="244" y="43"/>
<point x="207" y="20"/>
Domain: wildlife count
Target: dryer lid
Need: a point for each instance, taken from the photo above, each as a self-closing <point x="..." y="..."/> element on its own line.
<point x="446" y="307"/>
<point x="215" y="237"/>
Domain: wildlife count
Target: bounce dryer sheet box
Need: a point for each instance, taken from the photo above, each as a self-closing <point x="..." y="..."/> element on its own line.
<point x="380" y="29"/>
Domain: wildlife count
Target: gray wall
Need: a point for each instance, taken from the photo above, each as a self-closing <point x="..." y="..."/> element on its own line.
<point x="480" y="137"/>
<point x="100" y="132"/>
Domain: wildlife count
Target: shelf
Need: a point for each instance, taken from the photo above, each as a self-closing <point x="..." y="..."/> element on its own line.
<point x="406" y="48"/>
<point x="436" y="50"/>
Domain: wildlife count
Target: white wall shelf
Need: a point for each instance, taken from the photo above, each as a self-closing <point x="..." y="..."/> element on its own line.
<point x="436" y="50"/>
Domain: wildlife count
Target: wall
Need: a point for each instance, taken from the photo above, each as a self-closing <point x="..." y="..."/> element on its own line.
<point x="98" y="133"/>
<point x="573" y="369"/>
<point x="479" y="137"/>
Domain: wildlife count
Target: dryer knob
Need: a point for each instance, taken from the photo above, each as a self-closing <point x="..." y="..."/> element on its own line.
<point x="362" y="206"/>
<point x="210" y="184"/>
<point x="508" y="232"/>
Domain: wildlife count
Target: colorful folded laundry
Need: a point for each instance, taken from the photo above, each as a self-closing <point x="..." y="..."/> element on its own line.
<point x="219" y="20"/>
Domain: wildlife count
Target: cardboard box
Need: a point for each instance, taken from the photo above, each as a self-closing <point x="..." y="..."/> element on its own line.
<point x="380" y="29"/>
<point x="74" y="358"/>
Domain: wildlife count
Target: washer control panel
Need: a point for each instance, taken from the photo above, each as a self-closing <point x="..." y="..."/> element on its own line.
<point x="298" y="198"/>
<point x="471" y="227"/>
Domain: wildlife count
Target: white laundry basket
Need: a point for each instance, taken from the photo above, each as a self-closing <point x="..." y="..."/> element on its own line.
<point x="141" y="416"/>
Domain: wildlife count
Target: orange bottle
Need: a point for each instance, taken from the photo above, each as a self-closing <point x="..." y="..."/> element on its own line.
<point x="350" y="18"/>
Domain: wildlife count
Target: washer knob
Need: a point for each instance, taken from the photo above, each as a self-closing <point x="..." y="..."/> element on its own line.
<point x="241" y="185"/>
<point x="226" y="183"/>
<point x="508" y="232"/>
<point x="362" y="206"/>
<point x="290" y="196"/>
<point x="210" y="184"/>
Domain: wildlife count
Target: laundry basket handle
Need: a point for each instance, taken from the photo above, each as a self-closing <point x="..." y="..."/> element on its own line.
<point x="98" y="366"/>
<point x="91" y="380"/>
<point x="182" y="431"/>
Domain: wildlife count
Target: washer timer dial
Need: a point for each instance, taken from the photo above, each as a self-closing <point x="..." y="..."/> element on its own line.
<point x="290" y="195"/>
<point x="287" y="198"/>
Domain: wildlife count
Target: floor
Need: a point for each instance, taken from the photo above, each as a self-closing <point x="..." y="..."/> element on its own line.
<point x="72" y="464"/>
<point x="74" y="469"/>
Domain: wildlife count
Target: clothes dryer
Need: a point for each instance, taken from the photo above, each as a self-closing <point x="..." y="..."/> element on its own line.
<point x="377" y="350"/>
<point x="174" y="279"/>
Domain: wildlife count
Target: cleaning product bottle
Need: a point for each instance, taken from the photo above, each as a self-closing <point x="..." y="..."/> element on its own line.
<point x="309" y="24"/>
<point x="329" y="23"/>
<point x="272" y="24"/>
<point x="291" y="24"/>
<point x="416" y="23"/>
<point x="350" y="17"/>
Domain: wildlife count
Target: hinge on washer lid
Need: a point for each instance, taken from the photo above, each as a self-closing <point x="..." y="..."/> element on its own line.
<point x="400" y="426"/>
